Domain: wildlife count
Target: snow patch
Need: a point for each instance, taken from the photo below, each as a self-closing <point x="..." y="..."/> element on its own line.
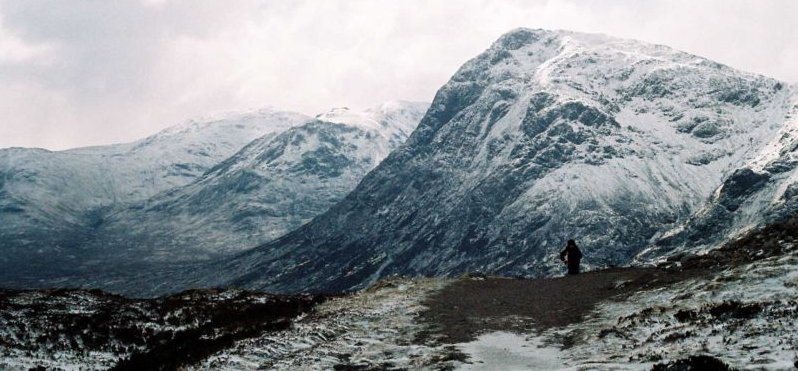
<point x="508" y="351"/>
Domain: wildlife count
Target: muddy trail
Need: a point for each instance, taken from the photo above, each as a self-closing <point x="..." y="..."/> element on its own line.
<point x="477" y="304"/>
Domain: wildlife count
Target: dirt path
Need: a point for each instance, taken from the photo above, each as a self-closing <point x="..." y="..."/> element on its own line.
<point x="470" y="306"/>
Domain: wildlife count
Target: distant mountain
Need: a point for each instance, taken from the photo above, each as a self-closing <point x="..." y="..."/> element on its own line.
<point x="201" y="189"/>
<point x="272" y="186"/>
<point x="51" y="202"/>
<point x="546" y="136"/>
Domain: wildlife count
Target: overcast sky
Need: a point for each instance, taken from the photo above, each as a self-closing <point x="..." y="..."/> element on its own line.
<point x="84" y="72"/>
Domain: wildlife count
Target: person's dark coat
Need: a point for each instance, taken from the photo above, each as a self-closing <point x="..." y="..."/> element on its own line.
<point x="572" y="256"/>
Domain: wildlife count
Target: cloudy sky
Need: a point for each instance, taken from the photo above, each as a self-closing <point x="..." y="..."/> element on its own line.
<point x="84" y="72"/>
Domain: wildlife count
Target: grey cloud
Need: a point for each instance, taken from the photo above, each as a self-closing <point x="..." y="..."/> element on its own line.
<point x="119" y="70"/>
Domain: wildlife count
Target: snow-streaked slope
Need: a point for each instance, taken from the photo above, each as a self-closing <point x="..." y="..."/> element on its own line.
<point x="373" y="329"/>
<point x="761" y="190"/>
<point x="51" y="202"/>
<point x="270" y="187"/>
<point x="546" y="136"/>
<point x="99" y="176"/>
<point x="744" y="316"/>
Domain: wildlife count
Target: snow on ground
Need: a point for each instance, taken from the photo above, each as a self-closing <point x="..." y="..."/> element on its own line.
<point x="744" y="316"/>
<point x="68" y="361"/>
<point x="23" y="344"/>
<point x="508" y="351"/>
<point x="374" y="328"/>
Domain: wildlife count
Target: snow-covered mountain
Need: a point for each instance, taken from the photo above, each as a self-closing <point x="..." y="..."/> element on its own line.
<point x="635" y="150"/>
<point x="201" y="189"/>
<point x="51" y="202"/>
<point x="273" y="185"/>
<point x="546" y="136"/>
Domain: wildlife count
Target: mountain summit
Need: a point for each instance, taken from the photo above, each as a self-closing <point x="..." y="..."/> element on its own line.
<point x="545" y="136"/>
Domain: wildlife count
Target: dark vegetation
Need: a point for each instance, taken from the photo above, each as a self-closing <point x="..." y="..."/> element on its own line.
<point x="724" y="311"/>
<point x="150" y="334"/>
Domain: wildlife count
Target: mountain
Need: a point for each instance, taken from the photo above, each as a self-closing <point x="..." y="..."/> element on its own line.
<point x="273" y="185"/>
<point x="546" y="136"/>
<point x="195" y="191"/>
<point x="50" y="202"/>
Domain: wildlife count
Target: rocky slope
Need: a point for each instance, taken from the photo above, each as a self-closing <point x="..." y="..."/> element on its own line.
<point x="547" y="135"/>
<point x="93" y="330"/>
<point x="761" y="191"/>
<point x="742" y="315"/>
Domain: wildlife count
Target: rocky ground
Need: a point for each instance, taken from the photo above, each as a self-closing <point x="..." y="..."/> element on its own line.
<point x="733" y="307"/>
<point x="90" y="329"/>
<point x="370" y="330"/>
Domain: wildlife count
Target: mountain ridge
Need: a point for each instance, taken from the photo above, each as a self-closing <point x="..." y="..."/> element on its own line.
<point x="271" y="186"/>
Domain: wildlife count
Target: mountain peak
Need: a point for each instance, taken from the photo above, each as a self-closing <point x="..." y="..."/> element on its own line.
<point x="378" y="117"/>
<point x="519" y="37"/>
<point x="524" y="37"/>
<point x="346" y="116"/>
<point x="545" y="136"/>
<point x="565" y="50"/>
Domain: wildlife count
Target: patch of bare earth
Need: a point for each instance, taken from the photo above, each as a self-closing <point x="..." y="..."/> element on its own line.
<point x="471" y="306"/>
<point x="475" y="305"/>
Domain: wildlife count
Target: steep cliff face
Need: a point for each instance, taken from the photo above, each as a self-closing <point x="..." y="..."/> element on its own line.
<point x="547" y="135"/>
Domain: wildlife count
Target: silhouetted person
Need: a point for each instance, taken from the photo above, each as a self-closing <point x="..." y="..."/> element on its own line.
<point x="571" y="256"/>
